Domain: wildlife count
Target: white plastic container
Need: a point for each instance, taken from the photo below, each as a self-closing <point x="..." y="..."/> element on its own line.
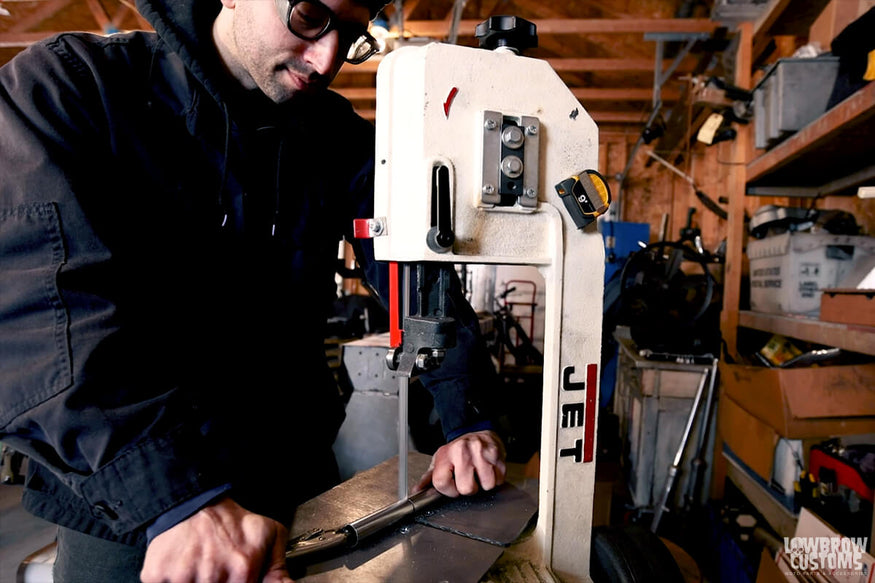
<point x="789" y="272"/>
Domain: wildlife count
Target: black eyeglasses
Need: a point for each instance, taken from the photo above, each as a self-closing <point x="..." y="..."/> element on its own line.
<point x="311" y="20"/>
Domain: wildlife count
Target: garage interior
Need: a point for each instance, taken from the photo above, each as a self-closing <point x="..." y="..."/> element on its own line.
<point x="736" y="410"/>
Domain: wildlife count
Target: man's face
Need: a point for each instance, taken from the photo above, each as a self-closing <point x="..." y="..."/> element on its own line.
<point x="280" y="63"/>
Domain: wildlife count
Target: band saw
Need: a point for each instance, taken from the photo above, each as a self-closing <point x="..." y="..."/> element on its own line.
<point x="484" y="156"/>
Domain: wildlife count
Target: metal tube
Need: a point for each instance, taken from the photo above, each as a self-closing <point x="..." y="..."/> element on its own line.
<point x="673" y="470"/>
<point x="319" y="541"/>
<point x="388" y="515"/>
<point x="699" y="462"/>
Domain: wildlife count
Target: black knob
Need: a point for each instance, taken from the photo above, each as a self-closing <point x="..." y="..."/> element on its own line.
<point x="517" y="34"/>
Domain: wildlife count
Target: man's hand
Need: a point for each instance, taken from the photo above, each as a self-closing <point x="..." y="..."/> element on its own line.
<point x="223" y="542"/>
<point x="466" y="464"/>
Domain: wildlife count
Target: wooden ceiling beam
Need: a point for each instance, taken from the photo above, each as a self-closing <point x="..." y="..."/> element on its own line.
<point x="615" y="64"/>
<point x="617" y="117"/>
<point x="46" y="10"/>
<point x="562" y="65"/>
<point x="623" y="94"/>
<point x="122" y="12"/>
<point x="100" y="16"/>
<point x="629" y="117"/>
<point x="408" y="7"/>
<point x="583" y="93"/>
<point x="538" y="7"/>
<point x="551" y="43"/>
<point x="440" y="29"/>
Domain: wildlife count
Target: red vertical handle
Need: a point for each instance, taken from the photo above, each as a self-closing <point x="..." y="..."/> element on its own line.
<point x="394" y="307"/>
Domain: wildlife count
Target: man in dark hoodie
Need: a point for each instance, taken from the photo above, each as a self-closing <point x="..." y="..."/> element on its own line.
<point x="170" y="209"/>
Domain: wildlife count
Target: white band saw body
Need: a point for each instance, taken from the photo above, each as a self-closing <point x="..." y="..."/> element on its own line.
<point x="452" y="107"/>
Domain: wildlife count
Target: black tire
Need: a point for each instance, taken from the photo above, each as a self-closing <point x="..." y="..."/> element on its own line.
<point x="631" y="554"/>
<point x="668" y="308"/>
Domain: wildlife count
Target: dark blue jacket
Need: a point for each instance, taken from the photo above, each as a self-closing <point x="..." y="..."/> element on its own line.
<point x="167" y="257"/>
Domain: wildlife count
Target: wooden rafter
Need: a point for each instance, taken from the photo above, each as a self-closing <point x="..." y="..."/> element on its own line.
<point x="611" y="77"/>
<point x="561" y="65"/>
<point x="618" y="117"/>
<point x="100" y="15"/>
<point x="582" y="93"/>
<point x="41" y="14"/>
<point x="439" y="29"/>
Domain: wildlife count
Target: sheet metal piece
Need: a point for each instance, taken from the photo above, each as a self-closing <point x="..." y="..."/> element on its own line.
<point x="319" y="542"/>
<point x="411" y="553"/>
<point x="497" y="517"/>
<point x="364" y="493"/>
<point x="460" y="541"/>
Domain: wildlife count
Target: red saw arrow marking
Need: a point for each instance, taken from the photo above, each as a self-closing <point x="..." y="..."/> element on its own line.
<point x="449" y="102"/>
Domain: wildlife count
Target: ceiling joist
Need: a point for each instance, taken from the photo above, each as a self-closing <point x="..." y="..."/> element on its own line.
<point x="573" y="26"/>
<point x="605" y="59"/>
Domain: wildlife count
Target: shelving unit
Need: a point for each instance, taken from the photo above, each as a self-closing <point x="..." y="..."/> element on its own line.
<point x="835" y="152"/>
<point x="832" y="155"/>
<point x="781" y="520"/>
<point x="784" y="17"/>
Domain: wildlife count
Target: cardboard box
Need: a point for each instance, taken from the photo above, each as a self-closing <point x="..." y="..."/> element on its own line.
<point x="755" y="443"/>
<point x="788" y="272"/>
<point x="805" y="402"/>
<point x="749" y="438"/>
<point x="848" y="306"/>
<point x="769" y="572"/>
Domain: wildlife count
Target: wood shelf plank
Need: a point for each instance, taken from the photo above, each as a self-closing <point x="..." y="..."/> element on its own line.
<point x="845" y="336"/>
<point x="838" y="143"/>
<point x="784" y="18"/>
<point x="779" y="518"/>
<point x="788" y="17"/>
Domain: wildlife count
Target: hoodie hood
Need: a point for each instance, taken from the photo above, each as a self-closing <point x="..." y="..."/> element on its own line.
<point x="250" y="122"/>
<point x="185" y="26"/>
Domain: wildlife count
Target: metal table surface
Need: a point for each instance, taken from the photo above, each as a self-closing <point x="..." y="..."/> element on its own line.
<point x="456" y="540"/>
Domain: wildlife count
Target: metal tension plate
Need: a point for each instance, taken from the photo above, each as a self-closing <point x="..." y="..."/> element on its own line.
<point x="511" y="146"/>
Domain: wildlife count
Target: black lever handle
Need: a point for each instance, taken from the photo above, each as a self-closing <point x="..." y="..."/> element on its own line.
<point x="440" y="237"/>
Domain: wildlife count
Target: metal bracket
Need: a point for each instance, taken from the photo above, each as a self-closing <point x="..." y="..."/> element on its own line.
<point x="511" y="148"/>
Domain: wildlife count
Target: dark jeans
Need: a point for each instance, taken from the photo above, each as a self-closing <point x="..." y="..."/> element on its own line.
<point x="87" y="559"/>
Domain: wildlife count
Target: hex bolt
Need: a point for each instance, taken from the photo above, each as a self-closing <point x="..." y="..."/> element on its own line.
<point x="512" y="136"/>
<point x="422" y="361"/>
<point x="512" y="167"/>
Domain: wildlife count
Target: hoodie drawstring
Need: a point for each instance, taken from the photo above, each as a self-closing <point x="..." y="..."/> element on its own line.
<point x="223" y="203"/>
<point x="276" y="203"/>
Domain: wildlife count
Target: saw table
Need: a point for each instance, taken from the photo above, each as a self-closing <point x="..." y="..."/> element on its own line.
<point x="459" y="539"/>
